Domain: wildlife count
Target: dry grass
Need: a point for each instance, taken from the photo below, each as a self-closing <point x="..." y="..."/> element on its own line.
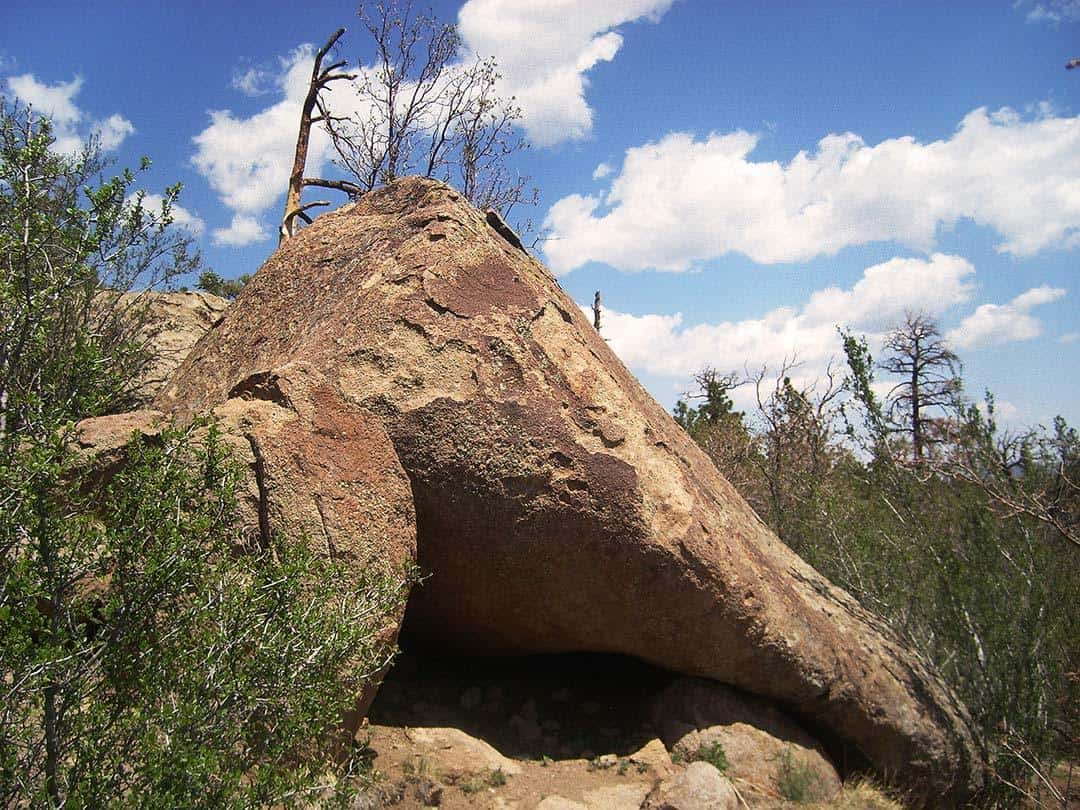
<point x="858" y="795"/>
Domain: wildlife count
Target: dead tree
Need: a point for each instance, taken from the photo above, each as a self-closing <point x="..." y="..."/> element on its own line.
<point x="422" y="111"/>
<point x="596" y="311"/>
<point x="929" y="379"/>
<point x="320" y="78"/>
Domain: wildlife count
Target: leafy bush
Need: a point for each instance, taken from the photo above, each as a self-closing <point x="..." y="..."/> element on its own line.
<point x="211" y="282"/>
<point x="147" y="657"/>
<point x="713" y="754"/>
<point x="797" y="781"/>
<point x="154" y="660"/>
<point x="968" y="548"/>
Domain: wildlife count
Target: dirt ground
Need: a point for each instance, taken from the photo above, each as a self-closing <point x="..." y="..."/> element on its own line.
<point x="569" y="724"/>
<point x="552" y="732"/>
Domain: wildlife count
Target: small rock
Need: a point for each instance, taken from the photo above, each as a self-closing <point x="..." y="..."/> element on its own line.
<point x="654" y="756"/>
<point x="607" y="761"/>
<point x="452" y="751"/>
<point x="559" y="803"/>
<point x="699" y="787"/>
<point x="616" y="797"/>
<point x="764" y="762"/>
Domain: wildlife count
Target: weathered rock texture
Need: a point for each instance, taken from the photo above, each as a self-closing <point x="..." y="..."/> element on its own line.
<point x="699" y="787"/>
<point x="318" y="467"/>
<point x="559" y="507"/>
<point x="763" y="747"/>
<point x="174" y="323"/>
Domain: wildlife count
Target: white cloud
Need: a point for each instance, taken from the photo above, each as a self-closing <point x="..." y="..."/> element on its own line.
<point x="1004" y="411"/>
<point x="662" y="345"/>
<point x="253" y="82"/>
<point x="681" y="201"/>
<point x="1069" y="337"/>
<point x="1052" y="11"/>
<point x="113" y="130"/>
<point x="544" y="51"/>
<point x="602" y="171"/>
<point x="247" y="160"/>
<point x="181" y="217"/>
<point x="71" y="127"/>
<point x="243" y="230"/>
<point x="995" y="324"/>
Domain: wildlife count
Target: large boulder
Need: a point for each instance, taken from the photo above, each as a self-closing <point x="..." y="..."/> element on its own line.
<point x="172" y="322"/>
<point x="316" y="467"/>
<point x="559" y="507"/>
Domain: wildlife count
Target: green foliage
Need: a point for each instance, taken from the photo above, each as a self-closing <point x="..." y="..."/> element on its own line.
<point x="483" y="781"/>
<point x="968" y="551"/>
<point x="149" y="656"/>
<point x="211" y="282"/>
<point x="182" y="669"/>
<point x="796" y="780"/>
<point x="713" y="754"/>
<point x="716" y="406"/>
<point x="67" y="347"/>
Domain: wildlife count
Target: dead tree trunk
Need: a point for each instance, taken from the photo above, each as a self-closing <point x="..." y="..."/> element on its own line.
<point x="596" y="311"/>
<point x="320" y="78"/>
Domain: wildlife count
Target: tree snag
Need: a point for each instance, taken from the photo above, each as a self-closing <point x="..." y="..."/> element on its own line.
<point x="320" y="78"/>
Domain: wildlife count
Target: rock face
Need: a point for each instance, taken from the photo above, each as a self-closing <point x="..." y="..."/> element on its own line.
<point x="175" y="322"/>
<point x="559" y="507"/>
<point x="319" y="467"/>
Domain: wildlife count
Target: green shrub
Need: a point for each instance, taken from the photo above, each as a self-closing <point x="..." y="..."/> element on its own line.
<point x="968" y="550"/>
<point x="211" y="282"/>
<point x="712" y="753"/>
<point x="148" y="658"/>
<point x="797" y="781"/>
<point x="154" y="659"/>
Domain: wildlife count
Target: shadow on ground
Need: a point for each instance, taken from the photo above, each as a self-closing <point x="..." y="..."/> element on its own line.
<point x="571" y="706"/>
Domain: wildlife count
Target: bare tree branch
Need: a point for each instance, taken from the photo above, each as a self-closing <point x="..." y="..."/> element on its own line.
<point x="319" y="79"/>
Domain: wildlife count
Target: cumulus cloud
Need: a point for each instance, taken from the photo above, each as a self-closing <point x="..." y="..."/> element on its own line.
<point x="243" y="230"/>
<point x="253" y="81"/>
<point x="681" y="200"/>
<point x="181" y="217"/>
<point x="602" y="171"/>
<point x="545" y="50"/>
<point x="662" y="345"/>
<point x="71" y="126"/>
<point x="995" y="324"/>
<point x="247" y="160"/>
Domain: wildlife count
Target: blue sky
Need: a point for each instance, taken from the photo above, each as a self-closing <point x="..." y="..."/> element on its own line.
<point x="737" y="178"/>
